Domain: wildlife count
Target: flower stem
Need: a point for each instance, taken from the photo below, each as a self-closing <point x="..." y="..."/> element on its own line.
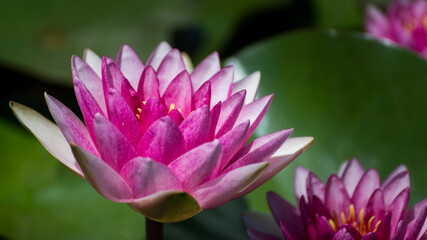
<point x="153" y="230"/>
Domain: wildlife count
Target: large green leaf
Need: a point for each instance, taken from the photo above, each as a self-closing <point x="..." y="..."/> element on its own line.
<point x="357" y="96"/>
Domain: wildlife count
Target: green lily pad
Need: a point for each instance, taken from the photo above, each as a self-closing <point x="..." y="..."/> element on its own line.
<point x="358" y="97"/>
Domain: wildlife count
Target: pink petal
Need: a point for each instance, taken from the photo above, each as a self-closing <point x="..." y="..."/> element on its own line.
<point x="351" y="175"/>
<point x="375" y="207"/>
<point x="364" y="190"/>
<point x="163" y="141"/>
<point x="215" y="111"/>
<point x="261" y="222"/>
<point x="146" y="177"/>
<point x="394" y="184"/>
<point x="376" y="23"/>
<point x="254" y="111"/>
<point x="398" y="207"/>
<point x="259" y="150"/>
<point x="71" y="126"/>
<point x="205" y="70"/>
<point x="48" y="134"/>
<point x="93" y="60"/>
<point x="84" y="73"/>
<point x="180" y="94"/>
<point x="300" y="182"/>
<point x="171" y="66"/>
<point x="113" y="147"/>
<point x="221" y="84"/>
<point x="203" y="95"/>
<point x="149" y="85"/>
<point x="102" y="177"/>
<point x="88" y="105"/>
<point x="196" y="127"/>
<point x="151" y="112"/>
<point x="197" y="165"/>
<point x="158" y="54"/>
<point x="130" y="65"/>
<point x="336" y="197"/>
<point x="288" y="216"/>
<point x="343" y="234"/>
<point x="231" y="142"/>
<point x="291" y="149"/>
<point x="227" y="186"/>
<point x="230" y="110"/>
<point x="315" y="187"/>
<point x="250" y="83"/>
<point x="324" y="229"/>
<point x="176" y="116"/>
<point x="416" y="227"/>
<point x="412" y="216"/>
<point x="384" y="230"/>
<point x="112" y="77"/>
<point x="122" y="117"/>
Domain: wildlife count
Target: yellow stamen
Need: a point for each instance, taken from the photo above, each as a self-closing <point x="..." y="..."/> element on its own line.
<point x="352" y="214"/>
<point x="332" y="224"/>
<point x="179" y="110"/>
<point x="370" y="223"/>
<point x="144" y="102"/>
<point x="344" y="221"/>
<point x="137" y="116"/>
<point x="362" y="219"/>
<point x="376" y="225"/>
<point x="425" y="22"/>
<point x="139" y="110"/>
<point x="172" y="107"/>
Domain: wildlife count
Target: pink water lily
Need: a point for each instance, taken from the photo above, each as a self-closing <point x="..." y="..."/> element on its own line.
<point x="166" y="139"/>
<point x="405" y="23"/>
<point x="353" y="205"/>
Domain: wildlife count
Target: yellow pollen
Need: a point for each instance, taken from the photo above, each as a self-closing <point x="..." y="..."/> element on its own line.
<point x="370" y="223"/>
<point x="344" y="221"/>
<point x="139" y="110"/>
<point x="362" y="219"/>
<point x="137" y="116"/>
<point x="376" y="225"/>
<point x="332" y="224"/>
<point x="352" y="214"/>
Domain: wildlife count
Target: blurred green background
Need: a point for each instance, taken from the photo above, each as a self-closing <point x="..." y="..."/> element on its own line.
<point x="357" y="96"/>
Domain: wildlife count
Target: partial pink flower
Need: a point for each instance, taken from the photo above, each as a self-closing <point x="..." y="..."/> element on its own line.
<point x="404" y="23"/>
<point x="353" y="205"/>
<point x="166" y="139"/>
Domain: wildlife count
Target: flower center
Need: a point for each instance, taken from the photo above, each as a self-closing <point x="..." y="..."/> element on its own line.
<point x="361" y="226"/>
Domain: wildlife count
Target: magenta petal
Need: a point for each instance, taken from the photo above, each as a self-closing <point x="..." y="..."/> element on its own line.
<point x="230" y="110"/>
<point x="197" y="165"/>
<point x="336" y="197"/>
<point x="398" y="207"/>
<point x="226" y="187"/>
<point x="414" y="228"/>
<point x="71" y="126"/>
<point x="384" y="229"/>
<point x="315" y="187"/>
<point x="171" y="66"/>
<point x="83" y="72"/>
<point x="300" y="182"/>
<point x="343" y="234"/>
<point x="413" y="215"/>
<point x="88" y="105"/>
<point x="399" y="233"/>
<point x="205" y="70"/>
<point x="102" y="177"/>
<point x="366" y="187"/>
<point x="112" y="77"/>
<point x="122" y="117"/>
<point x="375" y="207"/>
<point x="113" y="147"/>
<point x="215" y="111"/>
<point x="163" y="141"/>
<point x="254" y="111"/>
<point x="146" y="177"/>
<point x="180" y="94"/>
<point x="221" y="84"/>
<point x="395" y="183"/>
<point x="176" y="116"/>
<point x="287" y="215"/>
<point x="196" y="127"/>
<point x="250" y="83"/>
<point x="158" y="54"/>
<point x="351" y="175"/>
<point x="324" y="229"/>
<point x="370" y="236"/>
<point x="259" y="150"/>
<point x="130" y="65"/>
<point x="149" y="85"/>
<point x="203" y="95"/>
<point x="151" y="112"/>
<point x="232" y="141"/>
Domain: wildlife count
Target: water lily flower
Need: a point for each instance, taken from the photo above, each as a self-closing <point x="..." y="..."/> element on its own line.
<point x="353" y="205"/>
<point x="405" y="23"/>
<point x="166" y="139"/>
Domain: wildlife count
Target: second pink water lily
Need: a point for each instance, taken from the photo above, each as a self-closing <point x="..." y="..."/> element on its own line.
<point x="162" y="137"/>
